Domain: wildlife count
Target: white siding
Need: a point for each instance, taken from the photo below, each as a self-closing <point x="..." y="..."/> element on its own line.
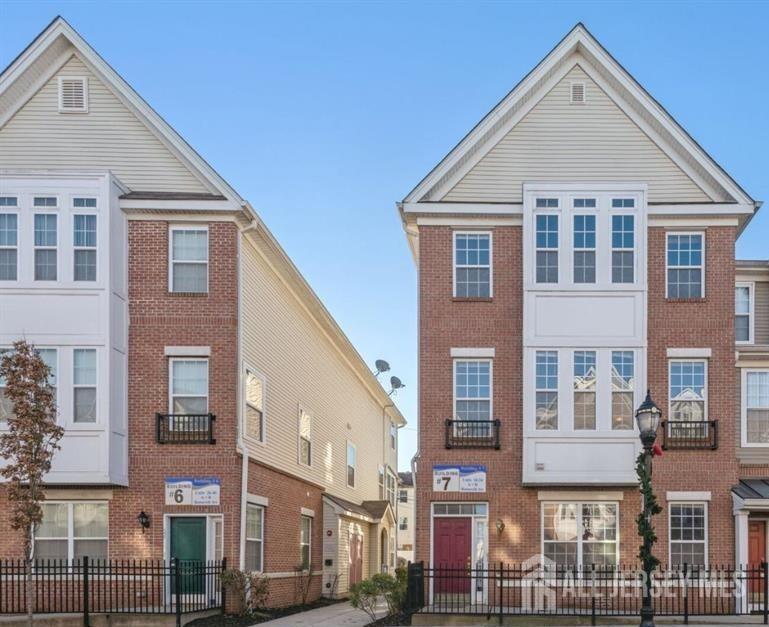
<point x="302" y="368"/>
<point x="109" y="136"/>
<point x="560" y="142"/>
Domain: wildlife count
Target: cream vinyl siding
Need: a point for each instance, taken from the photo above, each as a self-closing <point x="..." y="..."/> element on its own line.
<point x="109" y="136"/>
<point x="558" y="141"/>
<point x="302" y="368"/>
<point x="761" y="309"/>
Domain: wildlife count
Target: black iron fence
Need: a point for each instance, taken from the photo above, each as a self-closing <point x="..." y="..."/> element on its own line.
<point x="591" y="592"/>
<point x="185" y="428"/>
<point x="472" y="434"/>
<point x="90" y="586"/>
<point x="678" y="434"/>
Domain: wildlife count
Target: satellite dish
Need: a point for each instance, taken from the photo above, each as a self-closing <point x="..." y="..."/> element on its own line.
<point x="381" y="366"/>
<point x="395" y="384"/>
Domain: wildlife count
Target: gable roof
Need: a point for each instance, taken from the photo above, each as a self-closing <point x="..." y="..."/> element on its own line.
<point x="50" y="50"/>
<point x="631" y="96"/>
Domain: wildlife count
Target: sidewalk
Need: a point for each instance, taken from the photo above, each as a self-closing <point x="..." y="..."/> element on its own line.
<point x="342" y="614"/>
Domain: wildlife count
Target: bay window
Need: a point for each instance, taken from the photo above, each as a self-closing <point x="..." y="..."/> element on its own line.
<point x="9" y="242"/>
<point x="546" y="246"/>
<point x="622" y="389"/>
<point x="584" y="245"/>
<point x="84" y="385"/>
<point x="45" y="241"/>
<point x="580" y="534"/>
<point x="71" y="531"/>
<point x="546" y="390"/>
<point x="84" y="242"/>
<point x="472" y="265"/>
<point x="622" y="248"/>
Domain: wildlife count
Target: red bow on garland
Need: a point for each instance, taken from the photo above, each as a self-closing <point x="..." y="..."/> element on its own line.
<point x="656" y="450"/>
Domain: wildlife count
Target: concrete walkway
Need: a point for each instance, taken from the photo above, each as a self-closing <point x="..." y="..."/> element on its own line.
<point x="341" y="614"/>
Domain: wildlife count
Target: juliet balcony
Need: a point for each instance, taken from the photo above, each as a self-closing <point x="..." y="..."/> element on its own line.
<point x="472" y="434"/>
<point x="685" y="435"/>
<point x="185" y="428"/>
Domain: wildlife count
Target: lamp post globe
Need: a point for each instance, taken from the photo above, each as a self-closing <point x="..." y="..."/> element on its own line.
<point x="648" y="420"/>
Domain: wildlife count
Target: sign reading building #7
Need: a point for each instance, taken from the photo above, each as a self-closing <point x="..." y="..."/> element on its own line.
<point x="457" y="478"/>
<point x="192" y="490"/>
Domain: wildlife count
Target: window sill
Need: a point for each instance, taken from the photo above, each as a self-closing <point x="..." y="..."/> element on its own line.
<point x="471" y="299"/>
<point x="686" y="300"/>
<point x="189" y="294"/>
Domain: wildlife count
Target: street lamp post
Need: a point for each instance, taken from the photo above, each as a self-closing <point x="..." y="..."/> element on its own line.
<point x="648" y="419"/>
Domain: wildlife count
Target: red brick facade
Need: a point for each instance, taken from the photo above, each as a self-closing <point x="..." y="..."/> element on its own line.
<point x="446" y="322"/>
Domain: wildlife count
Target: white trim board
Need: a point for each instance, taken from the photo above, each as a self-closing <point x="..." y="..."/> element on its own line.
<point x="472" y="352"/>
<point x="689" y="353"/>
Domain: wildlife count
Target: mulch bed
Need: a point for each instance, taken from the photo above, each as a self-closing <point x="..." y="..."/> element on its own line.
<point x="393" y="619"/>
<point x="230" y="620"/>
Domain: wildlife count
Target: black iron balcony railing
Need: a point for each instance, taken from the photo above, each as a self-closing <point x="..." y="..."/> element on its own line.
<point x="677" y="434"/>
<point x="472" y="434"/>
<point x="185" y="428"/>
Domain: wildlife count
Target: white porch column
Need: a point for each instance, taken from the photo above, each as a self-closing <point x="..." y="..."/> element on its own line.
<point x="741" y="553"/>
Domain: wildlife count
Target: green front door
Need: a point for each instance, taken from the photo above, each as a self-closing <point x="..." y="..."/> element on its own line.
<point x="188" y="548"/>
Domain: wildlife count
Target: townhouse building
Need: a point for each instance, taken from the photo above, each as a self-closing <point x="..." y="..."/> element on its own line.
<point x="406" y="518"/>
<point x="212" y="406"/>
<point x="575" y="249"/>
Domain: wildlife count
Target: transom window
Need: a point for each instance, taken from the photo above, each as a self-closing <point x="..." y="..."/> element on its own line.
<point x="580" y="534"/>
<point x="254" y="538"/>
<point x="189" y="259"/>
<point x="685" y="262"/>
<point x="688" y="390"/>
<point x="743" y="313"/>
<point x="305" y="542"/>
<point x="584" y="389"/>
<point x="584" y="248"/>
<point x="84" y="385"/>
<point x="9" y="201"/>
<point x="584" y="203"/>
<point x="622" y="203"/>
<point x="9" y="243"/>
<point x="472" y="390"/>
<point x="305" y="438"/>
<point x="45" y="246"/>
<point x="85" y="247"/>
<point x="756" y="409"/>
<point x="44" y="201"/>
<point x="547" y="390"/>
<point x="688" y="534"/>
<point x="84" y="203"/>
<point x="70" y="531"/>
<point x="472" y="265"/>
<point x="622" y="389"/>
<point x="351" y="464"/>
<point x="189" y="386"/>
<point x="254" y="409"/>
<point x="460" y="509"/>
<point x="547" y="203"/>
<point x="622" y="249"/>
<point x="547" y="247"/>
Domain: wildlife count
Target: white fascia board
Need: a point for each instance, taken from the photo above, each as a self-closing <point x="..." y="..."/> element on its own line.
<point x="476" y="222"/>
<point x="689" y="353"/>
<point x="463" y="208"/>
<point x="128" y="204"/>
<point x="688" y="496"/>
<point x="718" y="208"/>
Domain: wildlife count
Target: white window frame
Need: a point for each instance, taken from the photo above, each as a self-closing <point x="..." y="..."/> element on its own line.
<point x="304" y="411"/>
<point x="95" y="386"/>
<point x="576" y="392"/>
<point x="84" y="108"/>
<point x="381" y="481"/>
<point x="55" y="248"/>
<point x="612" y="392"/>
<point x="7" y="210"/>
<point x="559" y="366"/>
<point x="668" y="234"/>
<point x="172" y="228"/>
<point x="706" y="410"/>
<point x="744" y="408"/>
<point x="670" y="529"/>
<point x="583" y="212"/>
<point x="751" y="287"/>
<point x="247" y="369"/>
<point x="491" y="386"/>
<point x="620" y="213"/>
<point x="550" y="211"/>
<point x="348" y="446"/>
<point x="57" y="375"/>
<point x="71" y="525"/>
<point x="454" y="236"/>
<point x="85" y="213"/>
<point x="579" y="541"/>
<point x="262" y="511"/>
<point x="393" y="436"/>
<point x="171" y="395"/>
<point x="391" y="487"/>
<point x="302" y="518"/>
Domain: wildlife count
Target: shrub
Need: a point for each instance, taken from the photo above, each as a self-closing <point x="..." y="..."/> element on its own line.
<point x="250" y="589"/>
<point x="365" y="594"/>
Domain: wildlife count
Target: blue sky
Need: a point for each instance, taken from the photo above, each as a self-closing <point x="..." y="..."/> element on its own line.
<point x="324" y="115"/>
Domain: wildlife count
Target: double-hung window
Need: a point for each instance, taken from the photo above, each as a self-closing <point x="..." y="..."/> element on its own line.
<point x="580" y="534"/>
<point x="404" y="523"/>
<point x="352" y="455"/>
<point x="756" y="407"/>
<point x="472" y="265"/>
<point x="51" y="358"/>
<point x="403" y="496"/>
<point x="9" y="239"/>
<point x="381" y="482"/>
<point x="622" y="389"/>
<point x="189" y="260"/>
<point x="743" y="313"/>
<point x="393" y="436"/>
<point x="546" y="378"/>
<point x="688" y="390"/>
<point x="305" y="542"/>
<point x="688" y="535"/>
<point x="84" y="385"/>
<point x="472" y="397"/>
<point x="70" y="531"/>
<point x="189" y="394"/>
<point x="254" y="406"/>
<point x="45" y="246"/>
<point x="391" y="488"/>
<point x="584" y="390"/>
<point x="305" y="438"/>
<point x="254" y="538"/>
<point x="84" y="241"/>
<point x="685" y="265"/>
<point x="546" y="244"/>
<point x="622" y="248"/>
<point x="584" y="245"/>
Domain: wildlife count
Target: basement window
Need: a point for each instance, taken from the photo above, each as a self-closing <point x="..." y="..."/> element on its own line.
<point x="73" y="94"/>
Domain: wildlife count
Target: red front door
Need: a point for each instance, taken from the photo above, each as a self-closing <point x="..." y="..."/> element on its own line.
<point x="356" y="558"/>
<point x="756" y="551"/>
<point x="452" y="539"/>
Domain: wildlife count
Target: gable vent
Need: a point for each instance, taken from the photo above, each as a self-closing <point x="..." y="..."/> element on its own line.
<point x="73" y="94"/>
<point x="578" y="93"/>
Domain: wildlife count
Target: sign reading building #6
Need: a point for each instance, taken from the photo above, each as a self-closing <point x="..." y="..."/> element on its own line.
<point x="457" y="478"/>
<point x="192" y="490"/>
